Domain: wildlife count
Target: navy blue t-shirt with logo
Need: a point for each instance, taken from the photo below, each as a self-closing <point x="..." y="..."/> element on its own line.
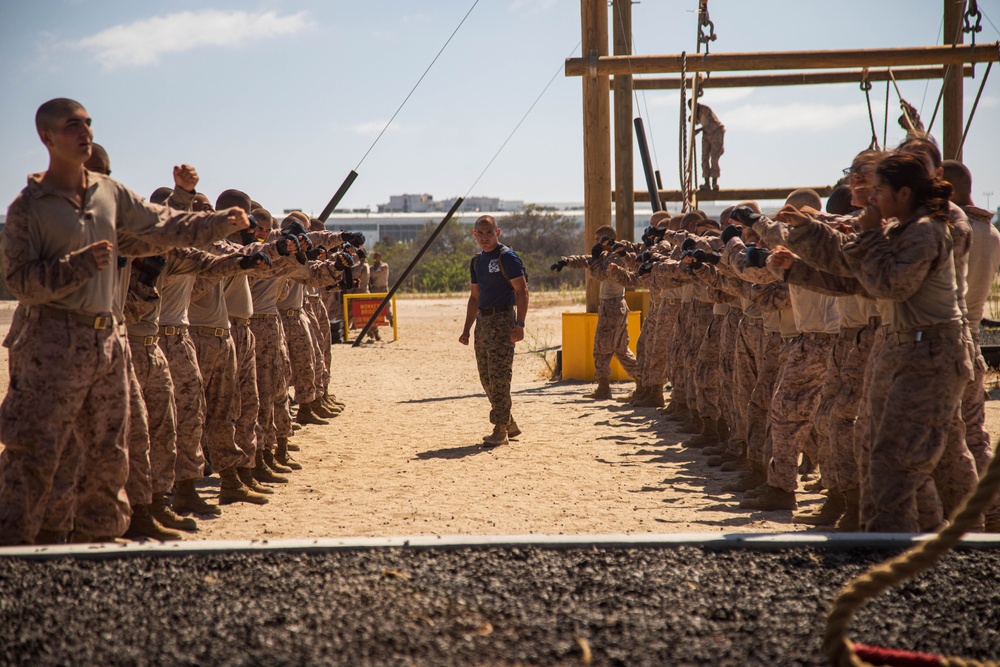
<point x="494" y="290"/>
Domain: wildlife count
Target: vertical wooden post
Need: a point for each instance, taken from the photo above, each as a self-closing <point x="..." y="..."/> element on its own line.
<point x="596" y="133"/>
<point x="621" y="28"/>
<point x="952" y="111"/>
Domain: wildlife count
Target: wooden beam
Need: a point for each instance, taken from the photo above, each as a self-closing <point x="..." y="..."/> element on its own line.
<point x="775" y="60"/>
<point x="731" y="194"/>
<point x="797" y="78"/>
<point x="621" y="28"/>
<point x="596" y="134"/>
<point x="952" y="109"/>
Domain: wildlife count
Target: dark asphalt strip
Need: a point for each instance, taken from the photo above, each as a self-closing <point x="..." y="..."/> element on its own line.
<point x="482" y="606"/>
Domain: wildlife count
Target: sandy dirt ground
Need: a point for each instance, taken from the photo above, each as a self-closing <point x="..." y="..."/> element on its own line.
<point x="404" y="457"/>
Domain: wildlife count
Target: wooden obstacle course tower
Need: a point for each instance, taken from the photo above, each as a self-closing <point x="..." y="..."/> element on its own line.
<point x="596" y="68"/>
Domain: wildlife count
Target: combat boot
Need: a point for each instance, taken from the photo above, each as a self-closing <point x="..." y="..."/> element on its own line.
<point x="726" y="458"/>
<point x="320" y="410"/>
<point x="331" y="405"/>
<point x="735" y="464"/>
<point x="633" y="395"/>
<point x="249" y="481"/>
<point x="681" y="414"/>
<point x="669" y="409"/>
<point x="306" y="416"/>
<point x="714" y="450"/>
<point x="513" y="430"/>
<point x="233" y="490"/>
<point x="46" y="536"/>
<point x="708" y="434"/>
<point x="497" y="437"/>
<point x="652" y="398"/>
<point x="272" y="463"/>
<point x="770" y="500"/>
<point x="144" y="525"/>
<point x="330" y="398"/>
<point x="850" y="520"/>
<point x="749" y="481"/>
<point x="832" y="509"/>
<point x="167" y="517"/>
<point x="264" y="474"/>
<point x="602" y="392"/>
<point x="186" y="499"/>
<point x="282" y="456"/>
<point x="692" y="425"/>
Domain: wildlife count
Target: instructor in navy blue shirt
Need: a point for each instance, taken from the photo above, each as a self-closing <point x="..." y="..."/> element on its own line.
<point x="498" y="305"/>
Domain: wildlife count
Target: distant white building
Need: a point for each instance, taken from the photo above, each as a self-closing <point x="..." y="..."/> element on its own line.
<point x="409" y="204"/>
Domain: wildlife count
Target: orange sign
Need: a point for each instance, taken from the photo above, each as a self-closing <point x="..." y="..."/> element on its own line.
<point x="361" y="310"/>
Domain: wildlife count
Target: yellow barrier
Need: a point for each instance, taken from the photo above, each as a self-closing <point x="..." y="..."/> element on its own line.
<point x="358" y="308"/>
<point x="578" y="346"/>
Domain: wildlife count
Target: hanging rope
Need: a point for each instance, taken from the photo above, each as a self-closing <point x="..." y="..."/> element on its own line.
<point x="866" y="86"/>
<point x="682" y="154"/>
<point x="885" y="121"/>
<point x="975" y="105"/>
<point x="838" y="648"/>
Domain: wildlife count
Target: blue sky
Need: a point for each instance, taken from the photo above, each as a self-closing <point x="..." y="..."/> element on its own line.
<point x="283" y="98"/>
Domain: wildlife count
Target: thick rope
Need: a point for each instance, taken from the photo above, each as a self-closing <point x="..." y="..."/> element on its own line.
<point x="838" y="648"/>
<point x="682" y="155"/>
<point x="866" y="86"/>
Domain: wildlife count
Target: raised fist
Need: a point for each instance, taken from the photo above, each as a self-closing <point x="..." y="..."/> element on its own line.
<point x="730" y="232"/>
<point x="645" y="268"/>
<point x="558" y="266"/>
<point x="757" y="257"/>
<point x="354" y="238"/>
<point x="254" y="261"/>
<point x="688" y="244"/>
<point x="745" y="215"/>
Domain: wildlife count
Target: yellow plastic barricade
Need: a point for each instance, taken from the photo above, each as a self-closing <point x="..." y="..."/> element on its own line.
<point x="578" y="346"/>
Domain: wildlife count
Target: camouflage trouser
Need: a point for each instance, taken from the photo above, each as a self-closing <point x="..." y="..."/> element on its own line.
<point x="139" y="487"/>
<point x="642" y="348"/>
<point x="495" y="359"/>
<point x="914" y="397"/>
<point x="793" y="406"/>
<point x="658" y="352"/>
<point x="189" y="402"/>
<point x="677" y="349"/>
<point x="282" y="404"/>
<point x="315" y="340"/>
<point x="217" y="363"/>
<point x="248" y="400"/>
<point x="153" y="372"/>
<point x="727" y="346"/>
<point x="773" y="352"/>
<point x="712" y="148"/>
<point x="67" y="381"/>
<point x="746" y="353"/>
<point x="319" y="322"/>
<point x="271" y="387"/>
<point x="611" y="338"/>
<point x="300" y="355"/>
<point x="707" y="370"/>
<point x="832" y="383"/>
<point x="977" y="438"/>
<point x="692" y="338"/>
<point x="839" y="465"/>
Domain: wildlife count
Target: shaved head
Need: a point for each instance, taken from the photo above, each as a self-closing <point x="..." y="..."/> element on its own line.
<point x="231" y="198"/>
<point x="50" y="113"/>
<point x="99" y="160"/>
<point x="804" y="197"/>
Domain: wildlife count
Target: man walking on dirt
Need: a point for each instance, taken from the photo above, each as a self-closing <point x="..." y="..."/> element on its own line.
<point x="498" y="305"/>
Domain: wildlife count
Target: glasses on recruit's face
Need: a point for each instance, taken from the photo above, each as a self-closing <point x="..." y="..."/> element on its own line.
<point x="857" y="171"/>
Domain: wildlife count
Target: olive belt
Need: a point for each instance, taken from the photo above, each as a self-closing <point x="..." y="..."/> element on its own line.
<point x="173" y="331"/>
<point x="96" y="321"/>
<point x="145" y="341"/>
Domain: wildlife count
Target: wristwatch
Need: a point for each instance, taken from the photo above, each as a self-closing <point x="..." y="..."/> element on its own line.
<point x="520" y="324"/>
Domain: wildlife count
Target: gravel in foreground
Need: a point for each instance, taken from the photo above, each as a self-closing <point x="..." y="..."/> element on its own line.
<point x="513" y="606"/>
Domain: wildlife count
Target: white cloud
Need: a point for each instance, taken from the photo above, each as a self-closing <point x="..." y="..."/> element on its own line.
<point x="771" y="118"/>
<point x="374" y="127"/>
<point x="143" y="42"/>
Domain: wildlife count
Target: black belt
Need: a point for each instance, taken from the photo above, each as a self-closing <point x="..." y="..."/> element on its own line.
<point x="494" y="311"/>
